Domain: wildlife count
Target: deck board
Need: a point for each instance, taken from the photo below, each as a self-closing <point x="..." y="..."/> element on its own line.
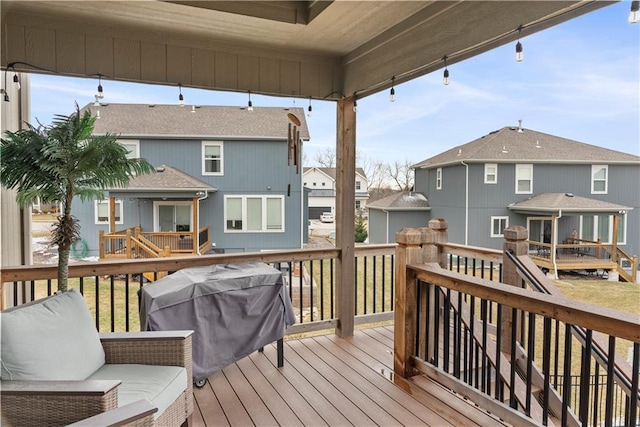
<point x="329" y="381"/>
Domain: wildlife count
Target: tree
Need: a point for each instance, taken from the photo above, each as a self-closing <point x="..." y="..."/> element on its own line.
<point x="61" y="161"/>
<point x="326" y="158"/>
<point x="401" y="174"/>
<point x="360" y="229"/>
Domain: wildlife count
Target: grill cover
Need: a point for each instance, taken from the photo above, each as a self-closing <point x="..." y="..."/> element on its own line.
<point x="233" y="309"/>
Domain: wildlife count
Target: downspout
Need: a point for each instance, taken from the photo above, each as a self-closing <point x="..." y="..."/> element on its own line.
<point x="386" y="228"/>
<point x="466" y="203"/>
<point x="552" y="253"/>
<point x="197" y="242"/>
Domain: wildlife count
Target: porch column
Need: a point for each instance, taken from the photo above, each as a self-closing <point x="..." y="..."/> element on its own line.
<point x="112" y="214"/>
<point x="345" y="216"/>
<point x="515" y="241"/>
<point x="614" y="238"/>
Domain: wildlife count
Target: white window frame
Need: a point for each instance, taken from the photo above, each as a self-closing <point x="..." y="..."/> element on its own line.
<point x="135" y="153"/>
<point x="106" y="202"/>
<point x="204" y="160"/>
<point x="524" y="167"/>
<point x="358" y="185"/>
<point x="594" y="170"/>
<point x="486" y="173"/>
<point x="264" y="198"/>
<point x="156" y="212"/>
<point x="499" y="218"/>
<point x="439" y="179"/>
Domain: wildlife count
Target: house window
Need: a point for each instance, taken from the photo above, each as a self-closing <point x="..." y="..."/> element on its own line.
<point x="102" y="212"/>
<point x="439" y="179"/>
<point x="491" y="173"/>
<point x="254" y="213"/>
<point x="324" y="183"/>
<point x="358" y="204"/>
<point x="599" y="179"/>
<point x="212" y="158"/>
<point x="315" y="185"/>
<point x="594" y="227"/>
<point x="358" y="185"/>
<point x="133" y="148"/>
<point x="524" y="179"/>
<point x="498" y="224"/>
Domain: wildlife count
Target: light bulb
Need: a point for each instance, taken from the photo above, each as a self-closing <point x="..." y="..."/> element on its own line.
<point x="96" y="103"/>
<point x="445" y="77"/>
<point x="309" y="111"/>
<point x="634" y="13"/>
<point x="249" y="104"/>
<point x="100" y="93"/>
<point x="16" y="82"/>
<point x="392" y="95"/>
<point x="181" y="100"/>
<point x="519" y="53"/>
<point x="355" y="106"/>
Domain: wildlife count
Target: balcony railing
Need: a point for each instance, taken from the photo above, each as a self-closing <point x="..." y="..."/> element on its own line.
<point x="525" y="354"/>
<point x="111" y="287"/>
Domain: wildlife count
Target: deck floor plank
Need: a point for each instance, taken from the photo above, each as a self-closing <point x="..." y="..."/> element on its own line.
<point x="331" y="381"/>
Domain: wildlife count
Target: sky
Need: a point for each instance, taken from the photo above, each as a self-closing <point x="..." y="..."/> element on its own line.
<point x="579" y="80"/>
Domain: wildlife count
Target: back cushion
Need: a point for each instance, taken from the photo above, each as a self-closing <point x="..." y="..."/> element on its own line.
<point x="51" y="339"/>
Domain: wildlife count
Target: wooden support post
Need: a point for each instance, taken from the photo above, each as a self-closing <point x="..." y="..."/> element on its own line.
<point x="432" y="251"/>
<point x="345" y="216"/>
<point x="195" y="227"/>
<point x="101" y="244"/>
<point x="128" y="247"/>
<point x="408" y="252"/>
<point x="516" y="243"/>
<point x="112" y="215"/>
<point x="439" y="227"/>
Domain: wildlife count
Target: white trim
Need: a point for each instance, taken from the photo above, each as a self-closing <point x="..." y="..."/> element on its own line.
<point x="524" y="167"/>
<point x="95" y="211"/>
<point x="486" y="174"/>
<point x="203" y="159"/>
<point x="135" y="143"/>
<point x="264" y="198"/>
<point x="499" y="218"/>
<point x="439" y="179"/>
<point x="597" y="168"/>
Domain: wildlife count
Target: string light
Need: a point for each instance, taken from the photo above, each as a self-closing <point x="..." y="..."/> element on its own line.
<point x="100" y="93"/>
<point x="180" y="96"/>
<point x="16" y="81"/>
<point x="392" y="93"/>
<point x="445" y="75"/>
<point x="519" y="53"/>
<point x="250" y="104"/>
<point x="634" y="13"/>
<point x="310" y="109"/>
<point x="355" y="106"/>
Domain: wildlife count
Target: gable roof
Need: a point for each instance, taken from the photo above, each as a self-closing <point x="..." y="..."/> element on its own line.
<point x="165" y="121"/>
<point x="403" y="201"/>
<point x="565" y="202"/>
<point x="514" y="144"/>
<point x="165" y="178"/>
<point x="331" y="172"/>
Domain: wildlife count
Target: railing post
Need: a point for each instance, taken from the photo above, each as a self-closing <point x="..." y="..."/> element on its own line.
<point x="101" y="244"/>
<point x="128" y="247"/>
<point x="439" y="227"/>
<point x="408" y="252"/>
<point x="515" y="242"/>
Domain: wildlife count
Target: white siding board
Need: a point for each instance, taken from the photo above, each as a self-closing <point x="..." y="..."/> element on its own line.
<point x="179" y="64"/>
<point x="99" y="55"/>
<point x="153" y="62"/>
<point x="70" y="51"/>
<point x="203" y="67"/>
<point x="126" y="59"/>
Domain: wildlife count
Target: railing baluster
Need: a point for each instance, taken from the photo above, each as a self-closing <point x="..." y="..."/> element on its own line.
<point x="392" y="269"/>
<point x="472" y="307"/>
<point x="436" y="322"/>
<point x="375" y="288"/>
<point x="112" y="303"/>
<point x="310" y="290"/>
<point x="364" y="285"/>
<point x="499" y="387"/>
<point x="608" y="411"/>
<point x="512" y="374"/>
<point x="566" y="380"/>
<point x="585" y="377"/>
<point x="633" y="404"/>
<point x="446" y="329"/>
<point x="97" y="300"/>
<point x="531" y="342"/>
<point x="546" y="366"/>
<point x="321" y="296"/>
<point x="486" y="368"/>
<point x="127" y="318"/>
<point x="457" y="335"/>
<point x="332" y="289"/>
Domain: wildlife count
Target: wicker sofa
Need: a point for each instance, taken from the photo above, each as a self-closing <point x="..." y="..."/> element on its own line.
<point x="56" y="369"/>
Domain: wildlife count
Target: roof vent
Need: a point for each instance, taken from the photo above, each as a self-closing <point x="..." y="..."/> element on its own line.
<point x="568" y="194"/>
<point x="152" y="105"/>
<point x="160" y="168"/>
<point x="520" y="126"/>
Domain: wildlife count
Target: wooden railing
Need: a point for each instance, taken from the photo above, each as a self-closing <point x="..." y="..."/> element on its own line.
<point x="133" y="243"/>
<point x="110" y="287"/>
<point x="512" y="349"/>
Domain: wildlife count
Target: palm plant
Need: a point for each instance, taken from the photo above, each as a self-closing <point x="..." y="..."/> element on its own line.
<point x="59" y="162"/>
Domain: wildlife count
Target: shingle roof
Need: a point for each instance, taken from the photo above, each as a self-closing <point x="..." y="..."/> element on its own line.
<point x="206" y="120"/>
<point x="331" y="172"/>
<point x="565" y="202"/>
<point x="166" y="178"/>
<point x="406" y="200"/>
<point x="512" y="144"/>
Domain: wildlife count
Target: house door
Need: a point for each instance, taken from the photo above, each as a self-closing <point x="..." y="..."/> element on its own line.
<point x="172" y="216"/>
<point x="539" y="229"/>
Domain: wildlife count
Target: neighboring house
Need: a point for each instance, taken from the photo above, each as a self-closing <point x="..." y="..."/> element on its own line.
<point x="322" y="185"/>
<point x="225" y="168"/>
<point x="407" y="209"/>
<point x="546" y="183"/>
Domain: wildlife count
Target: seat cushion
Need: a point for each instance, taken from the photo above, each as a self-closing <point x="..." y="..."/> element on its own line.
<point x="50" y="339"/>
<point x="162" y="385"/>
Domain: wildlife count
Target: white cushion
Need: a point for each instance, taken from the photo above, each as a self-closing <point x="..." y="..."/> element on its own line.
<point x="162" y="385"/>
<point x="51" y="339"/>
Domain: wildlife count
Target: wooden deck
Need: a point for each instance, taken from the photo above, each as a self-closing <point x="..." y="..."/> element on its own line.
<point x="330" y="381"/>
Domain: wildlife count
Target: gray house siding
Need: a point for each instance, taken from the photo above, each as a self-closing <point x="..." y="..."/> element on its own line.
<point x="250" y="168"/>
<point x="392" y="222"/>
<point x="487" y="200"/>
<point x="378" y="233"/>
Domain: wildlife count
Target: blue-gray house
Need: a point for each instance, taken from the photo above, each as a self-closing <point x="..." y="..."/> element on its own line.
<point x="562" y="191"/>
<point x="226" y="179"/>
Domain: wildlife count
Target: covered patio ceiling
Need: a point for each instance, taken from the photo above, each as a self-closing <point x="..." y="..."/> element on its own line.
<point x="319" y="49"/>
